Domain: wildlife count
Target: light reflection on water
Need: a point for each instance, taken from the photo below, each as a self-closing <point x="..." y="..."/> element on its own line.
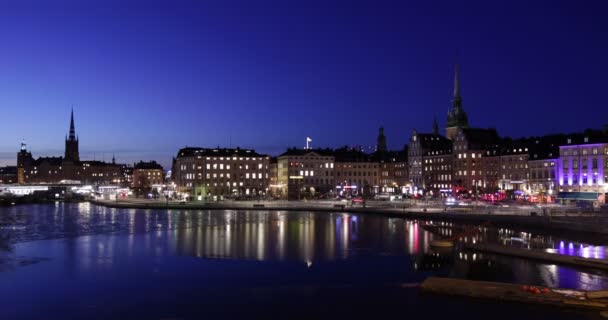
<point x="303" y="237"/>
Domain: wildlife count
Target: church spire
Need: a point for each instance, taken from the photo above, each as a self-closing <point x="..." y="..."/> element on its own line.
<point x="72" y="129"/>
<point x="381" y="145"/>
<point x="71" y="142"/>
<point x="457" y="118"/>
<point x="456" y="84"/>
<point x="113" y="158"/>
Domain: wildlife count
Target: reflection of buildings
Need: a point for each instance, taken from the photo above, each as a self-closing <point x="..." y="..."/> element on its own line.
<point x="433" y="261"/>
<point x="67" y="168"/>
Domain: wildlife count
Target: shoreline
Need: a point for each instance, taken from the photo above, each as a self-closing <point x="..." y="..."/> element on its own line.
<point x="589" y="225"/>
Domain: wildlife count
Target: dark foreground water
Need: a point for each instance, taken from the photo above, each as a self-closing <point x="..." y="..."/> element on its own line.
<point x="76" y="261"/>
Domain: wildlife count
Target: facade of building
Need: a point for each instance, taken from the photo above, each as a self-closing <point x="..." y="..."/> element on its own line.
<point x="430" y="162"/>
<point x="67" y="169"/>
<point x="394" y="172"/>
<point x="582" y="169"/>
<point x="542" y="163"/>
<point x="355" y="173"/>
<point x="205" y="172"/>
<point x="492" y="172"/>
<point x="305" y="173"/>
<point x="542" y="178"/>
<point x="8" y="175"/>
<point x="273" y="181"/>
<point x="146" y="174"/>
<point x="469" y="146"/>
<point x="514" y="173"/>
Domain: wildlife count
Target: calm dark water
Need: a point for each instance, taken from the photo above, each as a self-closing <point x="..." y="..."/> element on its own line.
<point x="72" y="261"/>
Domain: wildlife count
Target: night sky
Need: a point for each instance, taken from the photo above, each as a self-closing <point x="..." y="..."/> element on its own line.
<point x="146" y="78"/>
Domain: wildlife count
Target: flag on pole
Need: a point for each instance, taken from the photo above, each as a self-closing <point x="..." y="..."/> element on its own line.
<point x="308" y="141"/>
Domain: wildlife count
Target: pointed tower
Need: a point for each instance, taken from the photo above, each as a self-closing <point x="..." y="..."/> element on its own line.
<point x="25" y="162"/>
<point x="381" y="145"/>
<point x="71" y="143"/>
<point x="113" y="158"/>
<point x="435" y="126"/>
<point x="457" y="118"/>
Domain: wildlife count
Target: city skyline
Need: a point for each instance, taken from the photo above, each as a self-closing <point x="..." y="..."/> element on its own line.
<point x="134" y="98"/>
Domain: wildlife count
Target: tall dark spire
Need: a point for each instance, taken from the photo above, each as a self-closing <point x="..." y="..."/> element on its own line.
<point x="381" y="146"/>
<point x="456" y="116"/>
<point x="72" y="129"/>
<point x="113" y="158"/>
<point x="71" y="142"/>
<point x="456" y="84"/>
<point x="435" y="126"/>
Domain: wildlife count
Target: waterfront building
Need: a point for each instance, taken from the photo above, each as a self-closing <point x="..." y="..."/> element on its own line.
<point x="273" y="182"/>
<point x="582" y="168"/>
<point x="430" y="162"/>
<point x="394" y="172"/>
<point x="305" y="173"/>
<point x="543" y="157"/>
<point x="469" y="145"/>
<point x="355" y="173"/>
<point x="514" y="174"/>
<point x="8" y="175"/>
<point x="212" y="172"/>
<point x="67" y="169"/>
<point x="147" y="174"/>
<point x="492" y="172"/>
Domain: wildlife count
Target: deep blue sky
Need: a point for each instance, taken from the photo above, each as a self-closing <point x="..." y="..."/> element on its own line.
<point x="147" y="78"/>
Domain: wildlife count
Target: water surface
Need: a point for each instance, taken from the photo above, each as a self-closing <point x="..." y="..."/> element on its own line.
<point x="85" y="261"/>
